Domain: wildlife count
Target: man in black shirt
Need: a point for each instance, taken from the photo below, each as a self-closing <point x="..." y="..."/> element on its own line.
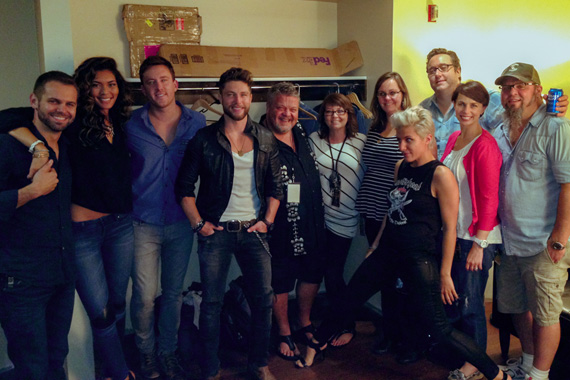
<point x="299" y="223"/>
<point x="37" y="274"/>
<point x="237" y="163"/>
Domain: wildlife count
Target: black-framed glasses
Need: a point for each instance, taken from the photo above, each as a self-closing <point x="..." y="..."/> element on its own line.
<point x="391" y="94"/>
<point x="443" y="68"/>
<point x="517" y="86"/>
<point x="340" y="112"/>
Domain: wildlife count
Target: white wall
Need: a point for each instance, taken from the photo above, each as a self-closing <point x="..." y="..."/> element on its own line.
<point x="19" y="61"/>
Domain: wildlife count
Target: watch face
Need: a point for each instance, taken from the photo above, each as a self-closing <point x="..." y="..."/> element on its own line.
<point x="558" y="246"/>
<point x="484" y="243"/>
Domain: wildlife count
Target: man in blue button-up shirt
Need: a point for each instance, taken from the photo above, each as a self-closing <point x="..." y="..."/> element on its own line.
<point x="534" y="207"/>
<point x="157" y="136"/>
<point x="444" y="74"/>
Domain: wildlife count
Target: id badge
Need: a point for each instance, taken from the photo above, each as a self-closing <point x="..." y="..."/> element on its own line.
<point x="294" y="192"/>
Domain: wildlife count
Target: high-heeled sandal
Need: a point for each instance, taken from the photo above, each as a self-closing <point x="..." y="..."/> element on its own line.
<point x="301" y="334"/>
<point x="319" y="351"/>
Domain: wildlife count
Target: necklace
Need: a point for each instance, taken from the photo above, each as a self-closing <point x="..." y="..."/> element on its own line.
<point x="334" y="178"/>
<point x="109" y="130"/>
<point x="240" y="151"/>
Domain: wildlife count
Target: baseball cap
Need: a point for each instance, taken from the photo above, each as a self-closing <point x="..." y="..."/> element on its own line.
<point x="521" y="71"/>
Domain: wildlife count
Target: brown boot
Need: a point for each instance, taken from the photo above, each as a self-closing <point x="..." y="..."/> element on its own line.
<point x="261" y="373"/>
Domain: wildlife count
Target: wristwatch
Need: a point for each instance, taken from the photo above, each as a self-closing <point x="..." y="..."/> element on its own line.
<point x="481" y="243"/>
<point x="269" y="225"/>
<point x="557" y="246"/>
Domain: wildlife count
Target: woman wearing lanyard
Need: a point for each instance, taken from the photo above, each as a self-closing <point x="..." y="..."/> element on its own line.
<point x="338" y="148"/>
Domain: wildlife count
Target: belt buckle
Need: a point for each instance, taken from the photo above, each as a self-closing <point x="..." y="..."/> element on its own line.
<point x="233" y="225"/>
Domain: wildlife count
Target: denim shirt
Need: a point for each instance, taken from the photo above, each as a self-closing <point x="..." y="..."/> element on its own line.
<point x="446" y="124"/>
<point x="155" y="165"/>
<point x="530" y="181"/>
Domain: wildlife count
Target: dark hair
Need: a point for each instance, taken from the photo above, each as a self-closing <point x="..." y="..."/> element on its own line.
<point x="92" y="122"/>
<point x="454" y="58"/>
<point x="343" y="102"/>
<point x="235" y="74"/>
<point x="155" y="60"/>
<point x="51" y="76"/>
<point x="380" y="118"/>
<point x="473" y="90"/>
<point x="282" y="88"/>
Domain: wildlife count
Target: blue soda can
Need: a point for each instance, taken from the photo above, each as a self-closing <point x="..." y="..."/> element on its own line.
<point x="553" y="96"/>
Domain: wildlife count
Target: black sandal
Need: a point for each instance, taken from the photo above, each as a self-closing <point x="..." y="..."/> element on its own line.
<point x="287" y="339"/>
<point x="301" y="334"/>
<point x="339" y="334"/>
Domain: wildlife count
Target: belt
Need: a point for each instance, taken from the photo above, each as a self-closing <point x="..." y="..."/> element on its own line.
<point x="237" y="225"/>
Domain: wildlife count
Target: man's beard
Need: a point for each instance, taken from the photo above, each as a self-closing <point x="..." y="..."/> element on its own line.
<point x="513" y="117"/>
<point x="231" y="115"/>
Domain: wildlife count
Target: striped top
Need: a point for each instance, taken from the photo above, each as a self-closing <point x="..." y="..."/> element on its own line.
<point x="379" y="156"/>
<point x="342" y="220"/>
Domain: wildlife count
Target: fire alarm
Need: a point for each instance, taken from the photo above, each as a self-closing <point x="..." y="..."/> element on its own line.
<point x="432" y="13"/>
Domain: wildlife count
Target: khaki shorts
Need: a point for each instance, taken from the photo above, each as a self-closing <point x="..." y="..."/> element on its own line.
<point x="532" y="283"/>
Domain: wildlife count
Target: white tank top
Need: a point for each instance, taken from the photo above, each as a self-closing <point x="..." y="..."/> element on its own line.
<point x="244" y="201"/>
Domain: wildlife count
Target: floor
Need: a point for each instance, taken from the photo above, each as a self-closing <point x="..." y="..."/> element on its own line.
<point x="353" y="362"/>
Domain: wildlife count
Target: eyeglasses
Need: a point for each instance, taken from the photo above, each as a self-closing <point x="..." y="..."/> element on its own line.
<point x="443" y="68"/>
<point x="518" y="86"/>
<point x="391" y="94"/>
<point x="338" y="112"/>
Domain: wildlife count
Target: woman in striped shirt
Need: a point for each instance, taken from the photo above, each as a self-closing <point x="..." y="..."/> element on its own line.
<point x="338" y="149"/>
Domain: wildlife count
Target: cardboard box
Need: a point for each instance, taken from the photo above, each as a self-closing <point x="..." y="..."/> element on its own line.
<point x="212" y="61"/>
<point x="149" y="26"/>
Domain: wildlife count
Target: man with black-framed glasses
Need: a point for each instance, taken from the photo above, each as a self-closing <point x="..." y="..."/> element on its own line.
<point x="444" y="73"/>
<point x="534" y="208"/>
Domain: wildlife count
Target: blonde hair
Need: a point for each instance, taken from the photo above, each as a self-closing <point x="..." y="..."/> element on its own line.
<point x="417" y="117"/>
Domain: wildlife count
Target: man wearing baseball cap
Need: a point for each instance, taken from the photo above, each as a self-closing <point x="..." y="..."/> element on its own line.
<point x="534" y="207"/>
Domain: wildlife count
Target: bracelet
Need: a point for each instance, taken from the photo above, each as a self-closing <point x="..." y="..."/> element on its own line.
<point x="41" y="154"/>
<point x="33" y="146"/>
<point x="199" y="226"/>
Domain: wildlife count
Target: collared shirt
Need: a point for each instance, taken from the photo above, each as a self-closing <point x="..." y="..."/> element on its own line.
<point x="36" y="242"/>
<point x="299" y="227"/>
<point x="155" y="165"/>
<point x="530" y="181"/>
<point x="446" y="124"/>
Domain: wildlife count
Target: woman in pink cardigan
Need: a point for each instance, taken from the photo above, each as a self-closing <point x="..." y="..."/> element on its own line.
<point x="474" y="158"/>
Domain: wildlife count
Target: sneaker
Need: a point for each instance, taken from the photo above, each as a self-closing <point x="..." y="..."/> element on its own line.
<point x="456" y="374"/>
<point x="149" y="366"/>
<point x="513" y="368"/>
<point x="171" y="367"/>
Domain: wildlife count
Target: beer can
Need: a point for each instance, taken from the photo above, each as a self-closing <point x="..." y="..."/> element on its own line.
<point x="553" y="96"/>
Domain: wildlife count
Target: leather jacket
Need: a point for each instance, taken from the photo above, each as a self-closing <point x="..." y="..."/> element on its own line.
<point x="208" y="156"/>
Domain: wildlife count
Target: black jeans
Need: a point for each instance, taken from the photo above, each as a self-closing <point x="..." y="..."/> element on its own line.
<point x="419" y="271"/>
<point x="36" y="320"/>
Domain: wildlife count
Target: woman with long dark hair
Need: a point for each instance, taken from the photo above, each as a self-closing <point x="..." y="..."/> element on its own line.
<point x="101" y="205"/>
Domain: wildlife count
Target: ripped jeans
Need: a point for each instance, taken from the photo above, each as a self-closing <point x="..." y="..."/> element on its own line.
<point x="467" y="314"/>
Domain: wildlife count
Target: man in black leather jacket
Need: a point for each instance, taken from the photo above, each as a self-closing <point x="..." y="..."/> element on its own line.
<point x="237" y="163"/>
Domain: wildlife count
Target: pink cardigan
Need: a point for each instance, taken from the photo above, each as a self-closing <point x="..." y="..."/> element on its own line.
<point x="483" y="167"/>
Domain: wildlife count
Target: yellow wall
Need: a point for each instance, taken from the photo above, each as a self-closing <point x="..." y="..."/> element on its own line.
<point x="487" y="35"/>
<point x="97" y="27"/>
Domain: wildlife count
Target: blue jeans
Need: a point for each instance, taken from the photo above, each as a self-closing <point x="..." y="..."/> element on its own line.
<point x="36" y="321"/>
<point x="168" y="246"/>
<point x="215" y="253"/>
<point x="104" y="258"/>
<point x="468" y="313"/>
